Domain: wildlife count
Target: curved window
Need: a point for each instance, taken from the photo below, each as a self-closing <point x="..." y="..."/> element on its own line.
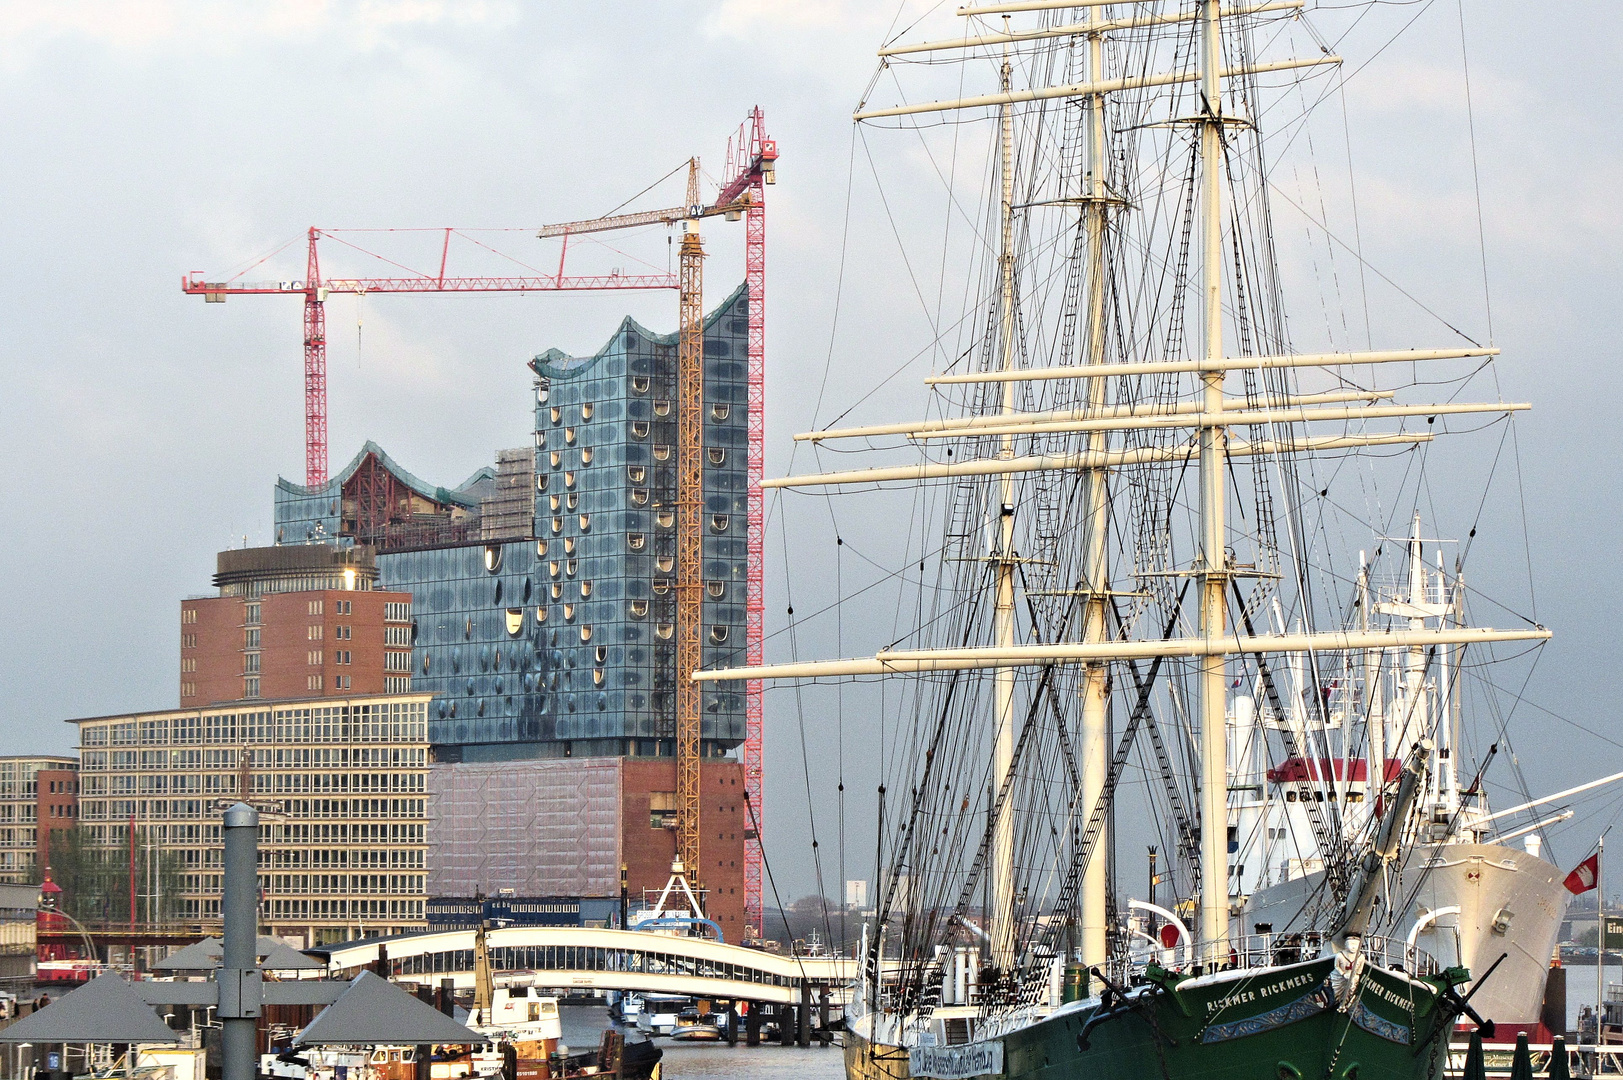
<point x="636" y="473"/>
<point x="586" y="410"/>
<point x="540" y="549"/>
<point x="639" y="496"/>
<point x="718" y="523"/>
<point x="638" y="609"/>
<point x="493" y="557"/>
<point x="636" y="541"/>
<point x="515" y="621"/>
<point x="639" y="384"/>
<point x="597" y="677"/>
<point x="718" y="634"/>
<point x="569" y="436"/>
<point x="664" y="631"/>
<point x="586" y="632"/>
<point x="662" y="453"/>
<point x="571" y="566"/>
<point x="718" y="413"/>
<point x="601" y="654"/>
<point x="662" y="407"/>
<point x="555" y="502"/>
<point x="557" y="590"/>
<point x="716" y="589"/>
<point x="557" y="414"/>
<point x="425" y="663"/>
<point x="557" y="458"/>
<point x="572" y="500"/>
<point x="497" y="601"/>
<point x="541" y="481"/>
<point x="569" y="479"/>
<point x="569" y="612"/>
<point x="585" y="522"/>
<point x="585" y="589"/>
<point x="540" y="615"/>
<point x="467" y="628"/>
<point x="718" y="456"/>
<point x="557" y="526"/>
<point x="542" y="391"/>
<point x="552" y="568"/>
<point x="665" y="518"/>
<point x="662" y="586"/>
<point x="569" y="545"/>
<point x="586" y="455"/>
<point x="665" y="563"/>
<point x="639" y="429"/>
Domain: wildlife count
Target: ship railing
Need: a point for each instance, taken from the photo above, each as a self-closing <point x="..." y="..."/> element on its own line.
<point x="1276" y="949"/>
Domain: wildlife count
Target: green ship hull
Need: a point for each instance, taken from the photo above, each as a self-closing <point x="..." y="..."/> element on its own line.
<point x="1276" y="1023"/>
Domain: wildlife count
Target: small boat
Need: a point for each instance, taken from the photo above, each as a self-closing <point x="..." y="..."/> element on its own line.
<point x="662" y="1013"/>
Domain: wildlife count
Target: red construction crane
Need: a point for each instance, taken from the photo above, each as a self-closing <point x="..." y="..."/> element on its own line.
<point x="751" y="165"/>
<point x="315" y="289"/>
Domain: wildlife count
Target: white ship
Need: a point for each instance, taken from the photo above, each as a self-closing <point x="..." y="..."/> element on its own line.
<point x="1475" y="899"/>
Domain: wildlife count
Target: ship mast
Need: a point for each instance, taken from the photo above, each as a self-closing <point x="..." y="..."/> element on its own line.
<point x="1211" y="560"/>
<point x="1001" y="917"/>
<point x="1095" y="912"/>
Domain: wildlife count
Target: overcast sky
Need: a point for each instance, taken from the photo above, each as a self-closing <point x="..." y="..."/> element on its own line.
<point x="143" y="431"/>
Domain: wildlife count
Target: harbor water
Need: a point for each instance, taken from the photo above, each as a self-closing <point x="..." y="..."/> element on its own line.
<point x="583" y="1027"/>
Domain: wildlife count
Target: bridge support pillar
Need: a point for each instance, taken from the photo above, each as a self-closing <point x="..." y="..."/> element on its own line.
<point x="824" y="1037"/>
<point x="752" y="1024"/>
<point x="732" y="1023"/>
<point x="805" y="1014"/>
<point x="786" y="1023"/>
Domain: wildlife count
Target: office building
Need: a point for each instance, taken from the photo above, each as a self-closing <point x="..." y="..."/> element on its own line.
<point x="342" y="782"/>
<point x="294" y="622"/>
<point x="38" y="796"/>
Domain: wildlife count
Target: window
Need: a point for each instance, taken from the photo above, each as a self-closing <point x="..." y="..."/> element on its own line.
<point x="250" y="663"/>
<point x="585" y="522"/>
<point x="586" y="632"/>
<point x="397" y="661"/>
<point x="557" y="525"/>
<point x="342" y="682"/>
<point x="188" y="641"/>
<point x="718" y="634"/>
<point x="312" y="682"/>
<point x="636" y="541"/>
<point x="397" y="684"/>
<point x="569" y="545"/>
<point x="570" y="566"/>
<point x="718" y="456"/>
<point x="639" y="429"/>
<point x="569" y="479"/>
<point x="188" y="666"/>
<point x="313" y="658"/>
<point x="636" y="473"/>
<point x="638" y="609"/>
<point x="572" y="500"/>
<point x="662" y="452"/>
<point x="557" y="414"/>
<point x="639" y="496"/>
<point x="639" y="384"/>
<point x="718" y="523"/>
<point x="586" y="455"/>
<point x="397" y="635"/>
<point x="555" y="502"/>
<point x="314" y="632"/>
<point x="250" y="687"/>
<point x="586" y="410"/>
<point x="585" y="590"/>
<point x="342" y="607"/>
<point x="343" y="633"/>
<point x="188" y="689"/>
<point x="662" y="407"/>
<point x="315" y="607"/>
<point x="557" y="458"/>
<point x="716" y="589"/>
<point x="188" y="616"/>
<point x="665" y="518"/>
<point x="718" y="413"/>
<point x="251" y="638"/>
<point x="396" y="611"/>
<point x="252" y="618"/>
<point x="569" y="436"/>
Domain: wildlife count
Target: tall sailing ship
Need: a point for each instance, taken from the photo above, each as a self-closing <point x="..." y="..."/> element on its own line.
<point x="1132" y="468"/>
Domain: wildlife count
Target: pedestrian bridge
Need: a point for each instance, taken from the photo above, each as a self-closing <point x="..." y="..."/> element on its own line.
<point x="576" y="958"/>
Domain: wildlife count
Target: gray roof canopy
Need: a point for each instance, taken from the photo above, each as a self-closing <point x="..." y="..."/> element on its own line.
<point x="273" y="955"/>
<point x="374" y="1010"/>
<point x="104" y="1010"/>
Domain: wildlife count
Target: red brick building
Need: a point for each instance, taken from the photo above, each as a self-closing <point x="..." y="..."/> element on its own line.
<point x="39" y="795"/>
<point x="296" y="621"/>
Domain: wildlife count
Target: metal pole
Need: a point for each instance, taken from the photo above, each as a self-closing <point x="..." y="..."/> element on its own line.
<point x="1600" y="938"/>
<point x="239" y="972"/>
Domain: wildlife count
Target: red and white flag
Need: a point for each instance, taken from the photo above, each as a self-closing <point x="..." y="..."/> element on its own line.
<point x="1582" y="878"/>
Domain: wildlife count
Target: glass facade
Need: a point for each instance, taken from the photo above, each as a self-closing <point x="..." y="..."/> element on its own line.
<point x="562" y="642"/>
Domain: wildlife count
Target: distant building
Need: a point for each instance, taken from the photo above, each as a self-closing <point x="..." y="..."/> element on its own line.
<point x="856" y="894"/>
<point x="294" y="622"/>
<point x="343" y="850"/>
<point x="38" y="796"/>
<point x="543" y="588"/>
<point x="19" y="906"/>
<point x="544" y="619"/>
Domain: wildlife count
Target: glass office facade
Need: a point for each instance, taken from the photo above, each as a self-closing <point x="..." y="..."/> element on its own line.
<point x="562" y="642"/>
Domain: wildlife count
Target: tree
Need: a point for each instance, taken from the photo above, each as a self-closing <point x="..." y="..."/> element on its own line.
<point x="95" y="878"/>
